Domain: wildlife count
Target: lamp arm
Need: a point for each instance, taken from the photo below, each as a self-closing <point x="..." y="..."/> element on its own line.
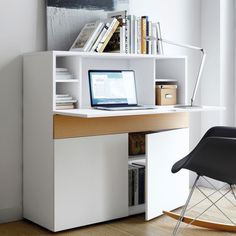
<point x="201" y="64"/>
<point x="198" y="76"/>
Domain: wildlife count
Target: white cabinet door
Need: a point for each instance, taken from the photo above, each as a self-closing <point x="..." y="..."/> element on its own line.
<point x="164" y="190"/>
<point x="91" y="176"/>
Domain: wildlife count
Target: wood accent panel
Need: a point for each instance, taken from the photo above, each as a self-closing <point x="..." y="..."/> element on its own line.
<point x="70" y="127"/>
<point x="203" y="223"/>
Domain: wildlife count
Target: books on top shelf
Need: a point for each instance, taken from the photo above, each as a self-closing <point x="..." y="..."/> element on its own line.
<point x="63" y="74"/>
<point x="95" y="36"/>
<point x="65" y="101"/>
<point x="120" y="33"/>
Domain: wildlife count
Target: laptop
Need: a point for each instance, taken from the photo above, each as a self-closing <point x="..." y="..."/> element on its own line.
<point x="114" y="90"/>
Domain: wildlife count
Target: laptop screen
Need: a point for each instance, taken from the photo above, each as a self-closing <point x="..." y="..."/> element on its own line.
<point x="112" y="88"/>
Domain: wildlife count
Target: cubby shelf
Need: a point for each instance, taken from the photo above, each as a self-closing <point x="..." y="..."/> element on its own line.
<point x="147" y="69"/>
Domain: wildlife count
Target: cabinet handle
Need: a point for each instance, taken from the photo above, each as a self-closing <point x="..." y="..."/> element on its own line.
<point x="168" y="96"/>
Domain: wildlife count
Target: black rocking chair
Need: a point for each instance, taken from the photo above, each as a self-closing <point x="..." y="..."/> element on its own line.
<point x="213" y="157"/>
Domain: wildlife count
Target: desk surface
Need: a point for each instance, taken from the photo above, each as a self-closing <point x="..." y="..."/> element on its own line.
<point x="93" y="113"/>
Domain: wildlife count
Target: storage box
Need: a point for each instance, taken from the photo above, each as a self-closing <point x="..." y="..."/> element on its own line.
<point x="136" y="143"/>
<point x="166" y="94"/>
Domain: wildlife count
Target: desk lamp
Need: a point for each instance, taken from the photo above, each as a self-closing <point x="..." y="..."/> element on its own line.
<point x="203" y="58"/>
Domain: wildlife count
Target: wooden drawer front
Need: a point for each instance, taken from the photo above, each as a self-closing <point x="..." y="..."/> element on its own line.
<point x="68" y="126"/>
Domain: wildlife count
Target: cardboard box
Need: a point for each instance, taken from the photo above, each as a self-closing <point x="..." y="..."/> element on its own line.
<point x="166" y="94"/>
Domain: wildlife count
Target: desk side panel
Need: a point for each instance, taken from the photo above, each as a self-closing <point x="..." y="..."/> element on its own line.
<point x="38" y="161"/>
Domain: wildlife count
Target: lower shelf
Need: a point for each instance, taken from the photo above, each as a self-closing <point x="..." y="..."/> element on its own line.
<point x="133" y="210"/>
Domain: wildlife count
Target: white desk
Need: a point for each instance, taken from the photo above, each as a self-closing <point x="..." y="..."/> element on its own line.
<point x="76" y="161"/>
<point x="94" y="113"/>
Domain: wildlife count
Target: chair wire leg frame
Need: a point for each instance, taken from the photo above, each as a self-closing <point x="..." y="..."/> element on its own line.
<point x="184" y="210"/>
<point x="175" y="231"/>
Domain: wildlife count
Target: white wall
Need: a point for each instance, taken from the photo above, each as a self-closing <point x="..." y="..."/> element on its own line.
<point x="21" y="30"/>
<point x="22" y="25"/>
<point x="218" y="77"/>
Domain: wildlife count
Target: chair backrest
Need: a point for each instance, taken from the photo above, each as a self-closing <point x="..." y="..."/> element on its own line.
<point x="221" y="131"/>
<point x="215" y="155"/>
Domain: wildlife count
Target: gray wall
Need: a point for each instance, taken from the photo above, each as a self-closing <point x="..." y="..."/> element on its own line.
<point x="22" y="29"/>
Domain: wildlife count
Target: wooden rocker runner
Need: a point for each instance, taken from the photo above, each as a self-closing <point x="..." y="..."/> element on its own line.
<point x="213" y="157"/>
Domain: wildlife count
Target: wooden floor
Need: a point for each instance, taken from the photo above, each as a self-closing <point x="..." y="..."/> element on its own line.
<point x="132" y="226"/>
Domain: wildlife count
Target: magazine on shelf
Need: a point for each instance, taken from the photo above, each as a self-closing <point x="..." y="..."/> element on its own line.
<point x="87" y="37"/>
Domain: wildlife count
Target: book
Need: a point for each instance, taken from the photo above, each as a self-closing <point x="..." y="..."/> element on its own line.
<point x="154" y="42"/>
<point x="159" y="43"/>
<point x="61" y="70"/>
<point x="107" y="36"/>
<point x="135" y="35"/>
<point x="118" y="40"/>
<point x="139" y="37"/>
<point x="150" y="37"/>
<point x="143" y="34"/>
<point x="135" y="182"/>
<point x="128" y="36"/>
<point x="87" y="36"/>
<point x="131" y="19"/>
<point x="71" y="101"/>
<point x="63" y="98"/>
<point x="63" y="107"/>
<point x="131" y="186"/>
<point x="62" y="95"/>
<point x="99" y="38"/>
<point x="141" y="181"/>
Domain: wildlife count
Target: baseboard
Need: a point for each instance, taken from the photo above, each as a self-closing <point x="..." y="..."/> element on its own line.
<point x="10" y="214"/>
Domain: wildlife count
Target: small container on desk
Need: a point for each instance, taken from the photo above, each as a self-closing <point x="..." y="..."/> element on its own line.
<point x="166" y="92"/>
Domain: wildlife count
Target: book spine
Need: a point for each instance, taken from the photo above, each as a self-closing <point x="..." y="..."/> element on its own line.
<point x="136" y="191"/>
<point x="149" y="42"/>
<point x="147" y="34"/>
<point x="159" y="43"/>
<point x="122" y="39"/>
<point x="130" y="186"/>
<point x="104" y="30"/>
<point x="143" y="34"/>
<point x="139" y="35"/>
<point x="135" y="35"/>
<point x="154" y="42"/>
<point x="141" y="185"/>
<point x="132" y="36"/>
<point x="128" y="34"/>
<point x="91" y="41"/>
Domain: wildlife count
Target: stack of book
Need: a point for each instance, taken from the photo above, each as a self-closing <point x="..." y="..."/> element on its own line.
<point x="138" y="35"/>
<point x="95" y="36"/>
<point x="121" y="33"/>
<point x="136" y="183"/>
<point x="63" y="74"/>
<point x="65" y="101"/>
